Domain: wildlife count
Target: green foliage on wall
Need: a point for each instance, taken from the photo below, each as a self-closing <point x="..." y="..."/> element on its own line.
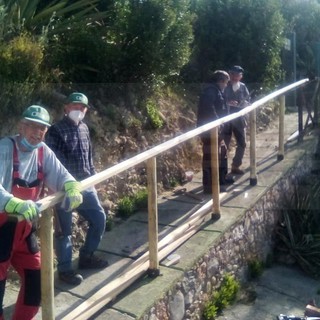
<point x="222" y="297"/>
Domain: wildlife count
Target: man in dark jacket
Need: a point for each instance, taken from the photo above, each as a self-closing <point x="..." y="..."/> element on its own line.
<point x="212" y="107"/>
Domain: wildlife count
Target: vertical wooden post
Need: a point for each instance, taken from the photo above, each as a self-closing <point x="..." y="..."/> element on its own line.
<point x="253" y="165"/>
<point x="215" y="173"/>
<point x="152" y="217"/>
<point x="47" y="274"/>
<point x="281" y="128"/>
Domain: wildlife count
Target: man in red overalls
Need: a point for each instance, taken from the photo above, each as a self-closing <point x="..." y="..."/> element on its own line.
<point x="27" y="164"/>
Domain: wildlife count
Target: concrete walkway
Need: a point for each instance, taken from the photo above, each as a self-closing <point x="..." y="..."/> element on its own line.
<point x="279" y="290"/>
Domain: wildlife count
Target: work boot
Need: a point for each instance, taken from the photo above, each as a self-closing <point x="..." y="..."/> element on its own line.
<point x="90" y="261"/>
<point x="236" y="170"/>
<point x="227" y="180"/>
<point x="207" y="190"/>
<point x="70" y="277"/>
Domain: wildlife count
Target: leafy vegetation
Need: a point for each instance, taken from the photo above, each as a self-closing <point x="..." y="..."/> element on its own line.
<point x="133" y="48"/>
<point x="254" y="33"/>
<point x="38" y="16"/>
<point x="222" y="298"/>
<point x="153" y="114"/>
<point x="128" y="205"/>
<point x="298" y="234"/>
<point x="125" y="207"/>
<point x="141" y="199"/>
<point x="256" y="268"/>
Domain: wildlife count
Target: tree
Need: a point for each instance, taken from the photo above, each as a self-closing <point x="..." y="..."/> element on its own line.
<point x="302" y="18"/>
<point x="142" y="42"/>
<point x="246" y="32"/>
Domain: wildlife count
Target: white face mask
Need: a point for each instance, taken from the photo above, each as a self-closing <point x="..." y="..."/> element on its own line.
<point x="76" y="116"/>
<point x="236" y="86"/>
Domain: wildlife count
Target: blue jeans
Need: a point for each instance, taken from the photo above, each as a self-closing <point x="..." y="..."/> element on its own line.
<point x="92" y="211"/>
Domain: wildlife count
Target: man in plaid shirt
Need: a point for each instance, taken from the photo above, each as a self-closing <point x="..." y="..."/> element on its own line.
<point x="70" y="140"/>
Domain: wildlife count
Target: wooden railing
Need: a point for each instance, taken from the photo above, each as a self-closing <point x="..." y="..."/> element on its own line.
<point x="157" y="250"/>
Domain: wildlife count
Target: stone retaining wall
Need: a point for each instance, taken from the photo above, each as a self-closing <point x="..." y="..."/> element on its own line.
<point x="251" y="237"/>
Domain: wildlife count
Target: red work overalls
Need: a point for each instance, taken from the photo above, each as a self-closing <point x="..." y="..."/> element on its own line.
<point x="19" y="246"/>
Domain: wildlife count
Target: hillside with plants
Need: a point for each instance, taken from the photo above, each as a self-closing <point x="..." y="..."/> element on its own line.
<point x="142" y="64"/>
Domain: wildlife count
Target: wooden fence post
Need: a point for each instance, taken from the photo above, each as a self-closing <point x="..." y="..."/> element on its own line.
<point x="47" y="274"/>
<point x="281" y="128"/>
<point x="152" y="217"/>
<point x="253" y="164"/>
<point x="215" y="173"/>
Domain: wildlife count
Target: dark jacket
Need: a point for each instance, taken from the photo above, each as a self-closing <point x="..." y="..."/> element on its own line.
<point x="211" y="105"/>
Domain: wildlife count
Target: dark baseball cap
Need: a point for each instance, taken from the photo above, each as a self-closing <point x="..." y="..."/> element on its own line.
<point x="236" y="69"/>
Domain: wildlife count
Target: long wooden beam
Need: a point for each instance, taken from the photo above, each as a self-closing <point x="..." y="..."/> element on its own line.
<point x="127" y="164"/>
<point x="152" y="153"/>
<point x="138" y="268"/>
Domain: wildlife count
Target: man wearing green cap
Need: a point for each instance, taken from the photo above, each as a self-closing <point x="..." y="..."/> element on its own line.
<point x="70" y="140"/>
<point x="27" y="166"/>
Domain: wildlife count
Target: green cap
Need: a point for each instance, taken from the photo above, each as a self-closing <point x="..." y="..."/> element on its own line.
<point x="77" y="97"/>
<point x="37" y="114"/>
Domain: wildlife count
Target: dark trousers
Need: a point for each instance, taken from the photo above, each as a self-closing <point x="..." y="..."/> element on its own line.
<point x="206" y="163"/>
<point x="238" y="129"/>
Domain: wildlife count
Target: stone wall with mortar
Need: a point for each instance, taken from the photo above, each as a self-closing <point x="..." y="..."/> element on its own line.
<point x="251" y="237"/>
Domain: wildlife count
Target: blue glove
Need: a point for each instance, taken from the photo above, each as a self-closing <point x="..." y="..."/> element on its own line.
<point x="73" y="197"/>
<point x="25" y="208"/>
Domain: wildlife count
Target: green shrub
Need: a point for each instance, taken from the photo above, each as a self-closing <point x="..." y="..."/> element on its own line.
<point x="256" y="268"/>
<point x="173" y="182"/>
<point x="153" y="115"/>
<point x="126" y="207"/>
<point x="21" y="59"/>
<point x="21" y="73"/>
<point x="298" y="228"/>
<point x="141" y="199"/>
<point x="222" y="298"/>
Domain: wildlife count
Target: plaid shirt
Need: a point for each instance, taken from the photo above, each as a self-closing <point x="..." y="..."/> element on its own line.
<point x="72" y="146"/>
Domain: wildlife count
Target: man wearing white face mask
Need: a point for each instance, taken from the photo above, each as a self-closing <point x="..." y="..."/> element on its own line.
<point x="237" y="97"/>
<point x="70" y="140"/>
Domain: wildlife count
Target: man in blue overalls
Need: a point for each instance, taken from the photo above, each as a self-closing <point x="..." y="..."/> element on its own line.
<point x="26" y="166"/>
